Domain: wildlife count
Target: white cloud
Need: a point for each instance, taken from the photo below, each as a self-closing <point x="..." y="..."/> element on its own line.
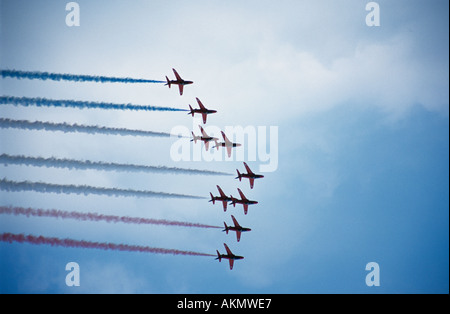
<point x="384" y="75"/>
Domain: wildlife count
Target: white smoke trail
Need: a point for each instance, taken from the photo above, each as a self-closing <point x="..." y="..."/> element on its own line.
<point x="73" y="128"/>
<point x="18" y="186"/>
<point x="96" y="165"/>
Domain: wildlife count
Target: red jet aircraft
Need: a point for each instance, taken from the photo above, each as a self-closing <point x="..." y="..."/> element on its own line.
<point x="203" y="111"/>
<point x="222" y="198"/>
<point x="229" y="256"/>
<point x="244" y="201"/>
<point x="236" y="228"/>
<point x="227" y="143"/>
<point x="204" y="137"/>
<point x="250" y="175"/>
<point x="179" y="81"/>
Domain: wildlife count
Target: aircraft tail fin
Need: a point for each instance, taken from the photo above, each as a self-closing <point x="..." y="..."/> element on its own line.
<point x="218" y="256"/>
<point x="168" y="81"/>
<point x="233" y="201"/>
<point x="194" y="138"/>
<point x="192" y="110"/>
<point x="212" y="198"/>
<point x="239" y="175"/>
<point x="226" y="227"/>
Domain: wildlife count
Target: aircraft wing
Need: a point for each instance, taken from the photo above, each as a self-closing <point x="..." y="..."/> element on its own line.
<point x="228" y="144"/>
<point x="221" y="192"/>
<point x="236" y="224"/>
<point x="203" y="132"/>
<point x="180" y="86"/>
<point x="227" y="249"/>
<point x="229" y="151"/>
<point x="225" y="138"/>
<point x="242" y="195"/>
<point x="200" y="104"/>
<point x="245" y="209"/>
<point x="252" y="181"/>
<point x="225" y="204"/>
<point x="231" y="263"/>
<point x="204" y="115"/>
<point x="248" y="169"/>
<point x="177" y="75"/>
<point x="206" y="145"/>
<point x="238" y="235"/>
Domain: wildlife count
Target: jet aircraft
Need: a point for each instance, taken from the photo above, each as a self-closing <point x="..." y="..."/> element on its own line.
<point x="227" y="143"/>
<point x="204" y="137"/>
<point x="244" y="201"/>
<point x="238" y="228"/>
<point x="203" y="111"/>
<point x="229" y="256"/>
<point x="222" y="198"/>
<point x="179" y="81"/>
<point x="250" y="175"/>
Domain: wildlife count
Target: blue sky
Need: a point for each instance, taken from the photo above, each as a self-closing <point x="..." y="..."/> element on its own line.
<point x="363" y="155"/>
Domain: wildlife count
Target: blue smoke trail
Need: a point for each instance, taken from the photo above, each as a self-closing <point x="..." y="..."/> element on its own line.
<point x="15" y="186"/>
<point x="71" y="77"/>
<point x="44" y="102"/>
<point x="73" y="128"/>
<point x="97" y="165"/>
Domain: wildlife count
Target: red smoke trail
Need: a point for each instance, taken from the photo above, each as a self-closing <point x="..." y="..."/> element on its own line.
<point x="70" y="243"/>
<point x="96" y="217"/>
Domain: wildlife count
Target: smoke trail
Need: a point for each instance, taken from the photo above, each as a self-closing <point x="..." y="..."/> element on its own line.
<point x="96" y="165"/>
<point x="73" y="128"/>
<point x="71" y="77"/>
<point x="70" y="243"/>
<point x="53" y="213"/>
<point x="44" y="102"/>
<point x="14" y="186"/>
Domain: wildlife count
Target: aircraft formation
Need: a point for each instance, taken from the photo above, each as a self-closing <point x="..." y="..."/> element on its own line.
<point x="44" y="187"/>
<point x="222" y="197"/>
